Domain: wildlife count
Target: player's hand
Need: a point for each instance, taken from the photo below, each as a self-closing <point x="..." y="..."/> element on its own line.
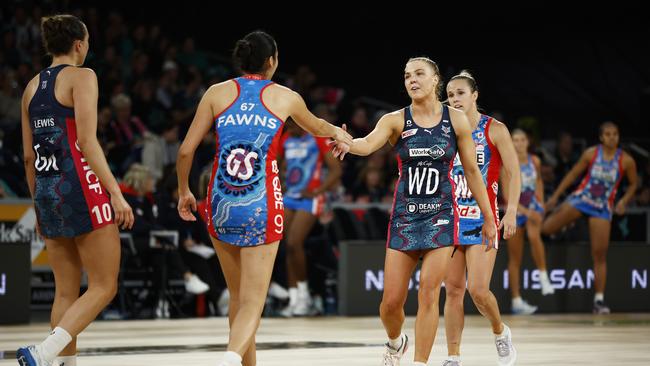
<point x="339" y="150"/>
<point x="490" y="234"/>
<point x="550" y="204"/>
<point x="186" y="204"/>
<point x="341" y="135"/>
<point x="508" y="224"/>
<point x="123" y="213"/>
<point x="620" y="208"/>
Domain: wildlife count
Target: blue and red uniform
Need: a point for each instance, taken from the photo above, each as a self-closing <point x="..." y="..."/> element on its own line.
<point x="69" y="200"/>
<point x="424" y="214"/>
<point x="527" y="198"/>
<point x="245" y="206"/>
<point x="489" y="163"/>
<point x="595" y="195"/>
<point x="304" y="156"/>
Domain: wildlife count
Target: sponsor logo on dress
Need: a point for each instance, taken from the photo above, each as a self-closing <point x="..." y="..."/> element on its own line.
<point x="469" y="212"/>
<point x="441" y="222"/>
<point x="240" y="168"/>
<point x="409" y="133"/>
<point x="411" y="207"/>
<point x="232" y="230"/>
<point x="424" y="208"/>
<point x="434" y="152"/>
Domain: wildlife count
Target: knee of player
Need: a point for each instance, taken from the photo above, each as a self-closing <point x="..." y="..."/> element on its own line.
<point x="547" y="228"/>
<point x="453" y="291"/>
<point x="250" y="299"/>
<point x="390" y="304"/>
<point x="479" y="294"/>
<point x="105" y="289"/>
<point x="428" y="295"/>
<point x="66" y="294"/>
<point x="599" y="255"/>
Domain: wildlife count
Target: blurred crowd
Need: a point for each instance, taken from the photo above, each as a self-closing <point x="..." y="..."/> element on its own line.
<point x="150" y="83"/>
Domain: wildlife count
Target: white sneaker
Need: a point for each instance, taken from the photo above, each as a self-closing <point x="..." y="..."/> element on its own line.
<point x="303" y="305"/>
<point x="523" y="308"/>
<point x="224" y="363"/>
<point x="159" y="310"/>
<point x="451" y="363"/>
<point x="318" y="308"/>
<point x="162" y="310"/>
<point x="547" y="287"/>
<point x="287" y="312"/>
<point x="505" y="350"/>
<point x="278" y="291"/>
<point x="224" y="302"/>
<point x="29" y="356"/>
<point x="194" y="285"/>
<point x="391" y="355"/>
<point x="166" y="309"/>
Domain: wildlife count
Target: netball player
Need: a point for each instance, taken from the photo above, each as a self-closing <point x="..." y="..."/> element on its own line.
<point x="606" y="164"/>
<point x="424" y="219"/>
<point x="471" y="264"/>
<point x="245" y="206"/>
<point x="77" y="200"/>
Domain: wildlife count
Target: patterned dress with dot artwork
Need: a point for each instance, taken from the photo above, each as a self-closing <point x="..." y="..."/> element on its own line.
<point x="245" y="205"/>
<point x="69" y="200"/>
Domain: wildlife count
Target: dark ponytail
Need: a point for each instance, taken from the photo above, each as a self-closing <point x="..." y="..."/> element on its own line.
<point x="60" y="31"/>
<point x="252" y="51"/>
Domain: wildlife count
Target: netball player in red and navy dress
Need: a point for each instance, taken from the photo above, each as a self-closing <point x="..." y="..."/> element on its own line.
<point x="303" y="157"/>
<point x="424" y="220"/>
<point x="605" y="165"/>
<point x="471" y="266"/>
<point x="77" y="200"/>
<point x="245" y="206"/>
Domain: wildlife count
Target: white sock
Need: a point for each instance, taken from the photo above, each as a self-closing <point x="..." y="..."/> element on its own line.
<point x="419" y="363"/>
<point x="231" y="358"/>
<point x="599" y="297"/>
<point x="303" y="288"/>
<point x="455" y="358"/>
<point x="543" y="276"/>
<point x="517" y="301"/>
<point x="65" y="361"/>
<point x="395" y="343"/>
<point x="54" y="344"/>
<point x="293" y="296"/>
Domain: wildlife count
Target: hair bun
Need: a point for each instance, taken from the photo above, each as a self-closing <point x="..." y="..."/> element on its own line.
<point x="467" y="74"/>
<point x="243" y="48"/>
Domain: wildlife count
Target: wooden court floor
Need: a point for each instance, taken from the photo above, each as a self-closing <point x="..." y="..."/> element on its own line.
<point x="618" y="339"/>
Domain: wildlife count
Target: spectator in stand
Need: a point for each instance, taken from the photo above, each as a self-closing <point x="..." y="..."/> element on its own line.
<point x="371" y="188"/>
<point x="128" y="132"/>
<point x="159" y="152"/>
<point x="159" y="253"/>
<point x="565" y="157"/>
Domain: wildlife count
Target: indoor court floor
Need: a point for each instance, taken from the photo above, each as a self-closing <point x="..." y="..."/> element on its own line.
<point x="569" y="339"/>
